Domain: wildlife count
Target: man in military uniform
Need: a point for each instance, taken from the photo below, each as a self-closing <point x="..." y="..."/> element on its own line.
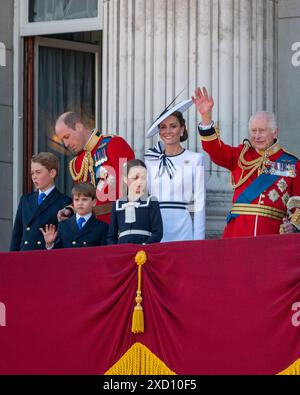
<point x="263" y="174"/>
<point x="99" y="159"/>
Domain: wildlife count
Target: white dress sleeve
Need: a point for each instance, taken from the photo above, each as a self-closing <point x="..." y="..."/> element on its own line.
<point x="148" y="165"/>
<point x="199" y="199"/>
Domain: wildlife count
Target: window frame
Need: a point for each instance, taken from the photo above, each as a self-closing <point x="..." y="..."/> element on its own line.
<point x="68" y="45"/>
<point x="55" y="27"/>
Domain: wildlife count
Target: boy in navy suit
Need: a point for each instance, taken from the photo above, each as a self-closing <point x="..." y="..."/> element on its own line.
<point x="39" y="208"/>
<point x="82" y="229"/>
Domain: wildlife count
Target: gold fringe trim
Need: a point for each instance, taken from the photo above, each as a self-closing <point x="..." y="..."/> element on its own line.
<point x="137" y="325"/>
<point x="87" y="168"/>
<point x="293" y="370"/>
<point x="87" y="165"/>
<point x="139" y="360"/>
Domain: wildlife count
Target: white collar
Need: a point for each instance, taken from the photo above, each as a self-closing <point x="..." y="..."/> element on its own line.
<point x="48" y="191"/>
<point x="86" y="217"/>
<point x="121" y="204"/>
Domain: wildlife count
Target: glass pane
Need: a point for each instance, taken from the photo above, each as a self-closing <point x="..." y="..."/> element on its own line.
<point x="66" y="82"/>
<point x="94" y="37"/>
<point x="57" y="10"/>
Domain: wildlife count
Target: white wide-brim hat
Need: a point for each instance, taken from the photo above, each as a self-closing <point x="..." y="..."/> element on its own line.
<point x="182" y="107"/>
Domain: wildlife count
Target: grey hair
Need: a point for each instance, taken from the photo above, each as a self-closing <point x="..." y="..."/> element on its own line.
<point x="266" y="114"/>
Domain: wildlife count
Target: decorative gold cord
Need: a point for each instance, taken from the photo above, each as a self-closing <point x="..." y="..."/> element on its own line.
<point x="137" y="325"/>
<point x="253" y="166"/>
<point x="87" y="167"/>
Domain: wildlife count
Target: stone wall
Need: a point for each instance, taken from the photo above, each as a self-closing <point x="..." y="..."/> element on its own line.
<point x="6" y="122"/>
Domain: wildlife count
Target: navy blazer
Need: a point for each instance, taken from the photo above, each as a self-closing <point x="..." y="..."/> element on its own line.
<point x="31" y="217"/>
<point x="148" y="218"/>
<point x="93" y="233"/>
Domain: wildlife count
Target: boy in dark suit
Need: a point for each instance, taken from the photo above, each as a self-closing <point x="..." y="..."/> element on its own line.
<point x="39" y="208"/>
<point x="82" y="229"/>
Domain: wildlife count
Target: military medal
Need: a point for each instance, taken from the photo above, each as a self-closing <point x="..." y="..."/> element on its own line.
<point x="280" y="169"/>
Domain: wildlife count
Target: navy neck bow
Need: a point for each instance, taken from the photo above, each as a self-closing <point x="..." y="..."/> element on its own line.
<point x="165" y="163"/>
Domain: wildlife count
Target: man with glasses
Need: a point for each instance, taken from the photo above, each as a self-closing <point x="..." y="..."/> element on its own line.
<point x="263" y="174"/>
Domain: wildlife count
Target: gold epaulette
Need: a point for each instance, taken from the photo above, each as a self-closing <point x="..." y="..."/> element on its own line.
<point x="93" y="141"/>
<point x="290" y="153"/>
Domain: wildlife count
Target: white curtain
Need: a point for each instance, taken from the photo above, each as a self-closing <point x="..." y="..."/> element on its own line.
<point x="50" y="10"/>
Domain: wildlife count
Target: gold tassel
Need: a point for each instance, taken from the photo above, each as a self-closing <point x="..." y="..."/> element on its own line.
<point x="293" y="370"/>
<point x="138" y="313"/>
<point x="139" y="360"/>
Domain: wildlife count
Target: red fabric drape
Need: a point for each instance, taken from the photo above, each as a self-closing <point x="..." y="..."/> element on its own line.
<point x="211" y="307"/>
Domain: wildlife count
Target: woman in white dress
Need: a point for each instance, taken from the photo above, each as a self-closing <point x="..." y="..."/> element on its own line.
<point x="176" y="178"/>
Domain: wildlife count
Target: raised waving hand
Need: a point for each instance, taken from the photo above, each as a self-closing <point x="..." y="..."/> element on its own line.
<point x="204" y="104"/>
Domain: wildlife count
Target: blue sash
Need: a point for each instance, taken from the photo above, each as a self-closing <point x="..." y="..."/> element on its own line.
<point x="259" y="185"/>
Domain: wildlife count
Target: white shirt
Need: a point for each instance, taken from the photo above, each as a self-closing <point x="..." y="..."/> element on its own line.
<point x="48" y="191"/>
<point x="86" y="217"/>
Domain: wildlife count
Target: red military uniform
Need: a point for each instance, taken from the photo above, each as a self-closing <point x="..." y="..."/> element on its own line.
<point x="101" y="163"/>
<point x="262" y="214"/>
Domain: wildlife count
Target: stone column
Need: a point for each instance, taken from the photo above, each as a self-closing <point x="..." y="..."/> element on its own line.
<point x="152" y="49"/>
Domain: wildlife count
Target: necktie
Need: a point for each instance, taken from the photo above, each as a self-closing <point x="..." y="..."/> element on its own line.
<point x="41" y="198"/>
<point x="80" y="222"/>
